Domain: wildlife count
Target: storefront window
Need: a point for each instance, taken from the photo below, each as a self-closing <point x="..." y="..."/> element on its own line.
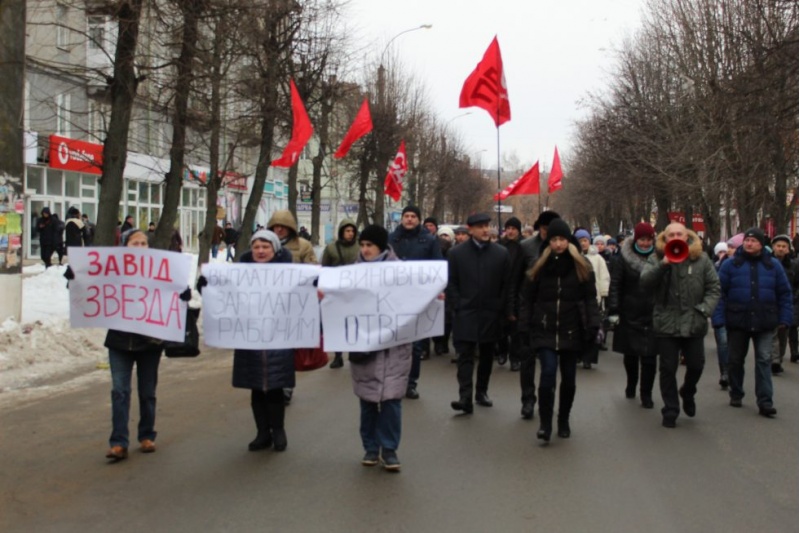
<point x="72" y="183"/>
<point x="54" y="183"/>
<point x="34" y="180"/>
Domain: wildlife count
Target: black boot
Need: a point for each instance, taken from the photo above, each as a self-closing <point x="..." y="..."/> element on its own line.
<point x="545" y="427"/>
<point x="337" y="361"/>
<point x="646" y="391"/>
<point x="263" y="439"/>
<point x="631" y="363"/>
<point x="563" y="427"/>
<point x="546" y="401"/>
<point x="277" y="412"/>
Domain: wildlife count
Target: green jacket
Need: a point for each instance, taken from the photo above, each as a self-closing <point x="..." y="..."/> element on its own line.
<point x="685" y="293"/>
<point x="341" y="252"/>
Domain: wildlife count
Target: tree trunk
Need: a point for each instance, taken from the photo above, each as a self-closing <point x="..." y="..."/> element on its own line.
<point x="316" y="175"/>
<point x="115" y="148"/>
<point x="191" y="10"/>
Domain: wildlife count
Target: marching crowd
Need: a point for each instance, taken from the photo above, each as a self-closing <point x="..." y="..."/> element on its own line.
<point x="550" y="295"/>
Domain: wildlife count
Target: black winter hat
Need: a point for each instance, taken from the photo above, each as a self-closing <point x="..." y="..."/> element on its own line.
<point x="758" y="234"/>
<point x="545" y="219"/>
<point x="514" y="223"/>
<point x="413" y="209"/>
<point x="558" y="228"/>
<point x="784" y="238"/>
<point x="375" y="234"/>
<point x="432" y="220"/>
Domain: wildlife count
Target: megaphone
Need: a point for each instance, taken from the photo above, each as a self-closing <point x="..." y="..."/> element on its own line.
<point x="676" y="251"/>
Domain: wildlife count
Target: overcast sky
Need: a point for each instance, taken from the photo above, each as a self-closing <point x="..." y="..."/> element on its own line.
<point x="554" y="52"/>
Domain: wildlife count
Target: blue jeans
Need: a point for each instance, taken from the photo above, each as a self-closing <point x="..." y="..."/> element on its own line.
<point x="214" y="250"/>
<point x="229" y="253"/>
<point x="551" y="361"/>
<point x="121" y="363"/>
<point x="738" y="341"/>
<point x="381" y="424"/>
<point x="721" y="336"/>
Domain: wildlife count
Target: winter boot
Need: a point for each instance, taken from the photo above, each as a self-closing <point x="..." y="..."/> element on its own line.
<point x="277" y="413"/>
<point x="546" y="400"/>
<point x="631" y="363"/>
<point x="337" y="361"/>
<point x="563" y="426"/>
<point x="646" y="391"/>
<point x="263" y="439"/>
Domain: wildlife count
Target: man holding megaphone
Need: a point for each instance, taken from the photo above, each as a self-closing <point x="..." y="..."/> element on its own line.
<point x="686" y="289"/>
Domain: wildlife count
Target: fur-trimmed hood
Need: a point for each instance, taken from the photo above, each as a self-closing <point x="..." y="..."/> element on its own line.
<point x="694" y="242"/>
<point x="631" y="258"/>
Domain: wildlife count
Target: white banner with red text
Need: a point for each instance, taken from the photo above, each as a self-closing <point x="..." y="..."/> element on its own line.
<point x="136" y="290"/>
<point x="373" y="306"/>
<point x="256" y="306"/>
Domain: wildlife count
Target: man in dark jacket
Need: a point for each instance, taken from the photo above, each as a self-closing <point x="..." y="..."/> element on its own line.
<point x="46" y="227"/>
<point x="478" y="289"/>
<point x="411" y="242"/>
<point x="128" y="224"/>
<point x="510" y="341"/>
<point x="231" y="235"/>
<point x="89" y="237"/>
<point x="756" y="299"/>
<point x="685" y="295"/>
<point x="782" y="250"/>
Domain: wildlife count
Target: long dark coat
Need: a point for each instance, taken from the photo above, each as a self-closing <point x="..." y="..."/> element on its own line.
<point x="559" y="310"/>
<point x="478" y="289"/>
<point x="264" y="369"/>
<point x="634" y="305"/>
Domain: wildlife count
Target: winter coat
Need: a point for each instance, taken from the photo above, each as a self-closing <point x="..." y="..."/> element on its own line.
<point x="478" y="289"/>
<point x="76" y="232"/>
<point x="602" y="277"/>
<point x="516" y="271"/>
<point x="558" y="310"/>
<point x="531" y="250"/>
<point x="58" y="231"/>
<point x="756" y="295"/>
<point x="218" y="235"/>
<point x="381" y="375"/>
<point x="176" y="242"/>
<point x="633" y="304"/>
<point x="341" y="252"/>
<point x="46" y="226"/>
<point x="124" y="341"/>
<point x="302" y="251"/>
<point x="230" y="236"/>
<point x="264" y="370"/>
<point x="790" y="266"/>
<point x="685" y="293"/>
<point x="416" y="244"/>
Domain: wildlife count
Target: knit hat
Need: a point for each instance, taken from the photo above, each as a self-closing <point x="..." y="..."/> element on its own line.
<point x="377" y="235"/>
<point x="611" y="241"/>
<point x="514" y="223"/>
<point x="580" y="234"/>
<point x="720" y="247"/>
<point x="444" y="230"/>
<point x="411" y="209"/>
<point x="558" y="228"/>
<point x="758" y="234"/>
<point x="545" y="219"/>
<point x="600" y="239"/>
<point x="432" y="220"/>
<point x="269" y="236"/>
<point x="736" y="240"/>
<point x="785" y="238"/>
<point x="643" y="229"/>
<point x="125" y="237"/>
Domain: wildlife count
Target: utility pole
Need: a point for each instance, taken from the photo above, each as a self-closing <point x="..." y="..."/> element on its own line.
<point x="12" y="164"/>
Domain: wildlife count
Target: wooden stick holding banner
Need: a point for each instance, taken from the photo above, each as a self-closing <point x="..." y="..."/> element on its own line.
<point x="374" y="306"/>
<point x="136" y="290"/>
<point x="261" y="306"/>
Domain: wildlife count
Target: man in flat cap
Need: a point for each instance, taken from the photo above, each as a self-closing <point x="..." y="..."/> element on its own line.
<point x="478" y="290"/>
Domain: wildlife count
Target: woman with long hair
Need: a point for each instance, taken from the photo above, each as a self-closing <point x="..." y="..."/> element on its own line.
<point x="559" y="309"/>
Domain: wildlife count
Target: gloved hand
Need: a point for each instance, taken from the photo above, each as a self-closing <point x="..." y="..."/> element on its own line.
<point x="600" y="337"/>
<point x="186" y="295"/>
<point x="613" y="320"/>
<point x="69" y="274"/>
<point x="201" y="282"/>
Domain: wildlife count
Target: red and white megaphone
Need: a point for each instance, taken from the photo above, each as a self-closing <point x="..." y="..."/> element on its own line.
<point x="676" y="251"/>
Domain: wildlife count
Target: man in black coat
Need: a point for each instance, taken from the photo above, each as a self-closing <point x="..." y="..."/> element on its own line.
<point x="412" y="242"/>
<point x="510" y="343"/>
<point x="478" y="290"/>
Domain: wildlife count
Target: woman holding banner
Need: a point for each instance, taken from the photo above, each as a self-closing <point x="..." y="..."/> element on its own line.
<point x="124" y="351"/>
<point x="265" y="372"/>
<point x="380" y="378"/>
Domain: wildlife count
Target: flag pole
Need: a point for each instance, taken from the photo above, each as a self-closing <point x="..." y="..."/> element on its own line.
<point x="499" y="227"/>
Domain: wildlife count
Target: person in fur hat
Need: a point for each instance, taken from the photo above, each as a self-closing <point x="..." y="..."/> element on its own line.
<point x="685" y="294"/>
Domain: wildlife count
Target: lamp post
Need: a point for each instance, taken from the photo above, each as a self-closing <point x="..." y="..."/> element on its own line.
<point x="382" y="133"/>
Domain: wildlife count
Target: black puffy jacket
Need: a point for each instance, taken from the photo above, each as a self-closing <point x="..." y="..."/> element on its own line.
<point x="633" y="304"/>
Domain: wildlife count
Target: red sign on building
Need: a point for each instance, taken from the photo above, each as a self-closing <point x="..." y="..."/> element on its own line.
<point x="78" y="156"/>
<point x="699" y="225"/>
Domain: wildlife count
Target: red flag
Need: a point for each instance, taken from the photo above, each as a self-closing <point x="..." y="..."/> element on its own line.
<point x="528" y="183"/>
<point x="554" y="181"/>
<point x="486" y="86"/>
<point x="360" y="127"/>
<point x="393" y="184"/>
<point x="301" y="131"/>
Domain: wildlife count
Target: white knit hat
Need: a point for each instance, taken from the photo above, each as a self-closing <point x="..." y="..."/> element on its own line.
<point x="269" y="236"/>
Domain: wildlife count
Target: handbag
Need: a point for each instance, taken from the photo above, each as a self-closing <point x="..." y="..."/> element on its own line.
<point x="306" y="359"/>
<point x="190" y="347"/>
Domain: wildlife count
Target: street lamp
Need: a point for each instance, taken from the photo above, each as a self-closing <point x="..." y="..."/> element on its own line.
<point x="379" y="200"/>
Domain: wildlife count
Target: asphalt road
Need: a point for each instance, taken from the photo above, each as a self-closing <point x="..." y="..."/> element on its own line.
<point x="724" y="470"/>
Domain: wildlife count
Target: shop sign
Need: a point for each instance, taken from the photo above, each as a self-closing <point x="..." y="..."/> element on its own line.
<point x="78" y="156"/>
